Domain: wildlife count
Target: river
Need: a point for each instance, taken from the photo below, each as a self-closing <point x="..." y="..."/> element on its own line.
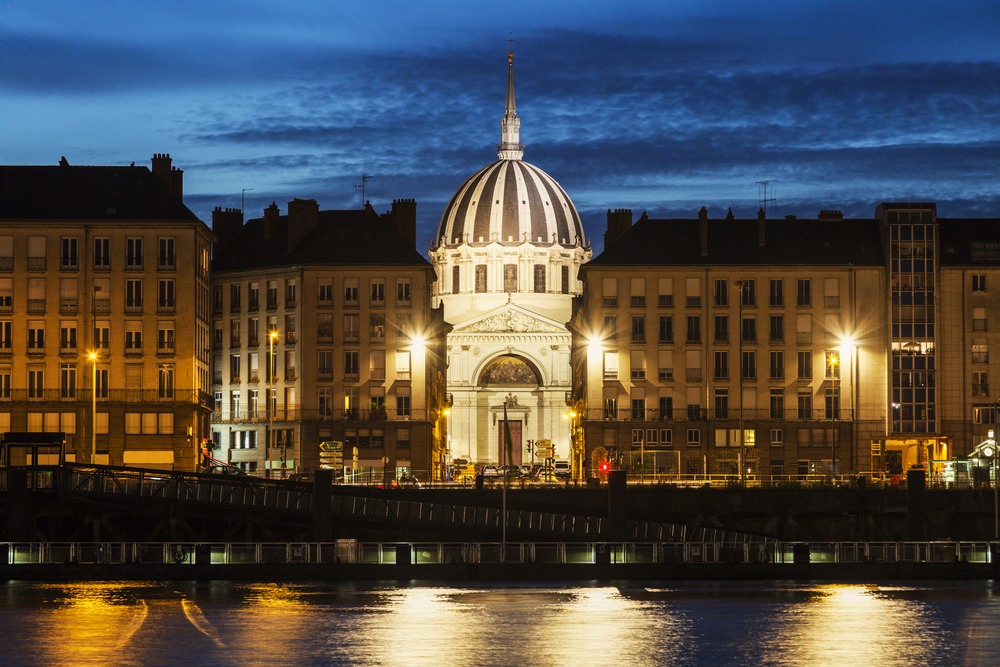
<point x="303" y="624"/>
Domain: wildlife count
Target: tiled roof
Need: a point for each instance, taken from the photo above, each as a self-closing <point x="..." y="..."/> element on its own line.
<point x="652" y="242"/>
<point x="352" y="237"/>
<point x="958" y="234"/>
<point x="87" y="193"/>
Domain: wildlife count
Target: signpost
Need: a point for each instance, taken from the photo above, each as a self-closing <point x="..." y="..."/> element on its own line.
<point x="331" y="455"/>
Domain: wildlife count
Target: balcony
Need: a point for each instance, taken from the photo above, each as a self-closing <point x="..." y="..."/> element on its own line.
<point x="132" y="307"/>
<point x="234" y="342"/>
<point x="376" y="373"/>
<point x="611" y="374"/>
<point x="6" y="304"/>
<point x="694" y="302"/>
<point x="638" y="302"/>
<point x="804" y="338"/>
<point x="831" y="302"/>
<point x="83" y="396"/>
<point x="36" y="305"/>
<point x="729" y="415"/>
<point x="6" y="263"/>
<point x="164" y="306"/>
<point x="36" y="263"/>
<point x="693" y="375"/>
<point x="102" y="306"/>
<point x="68" y="306"/>
<point x="402" y="374"/>
<point x="980" y="389"/>
<point x="610" y="302"/>
<point x="666" y="301"/>
<point x="290" y="338"/>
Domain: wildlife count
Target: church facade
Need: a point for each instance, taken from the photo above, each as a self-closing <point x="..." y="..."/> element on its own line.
<point x="507" y="256"/>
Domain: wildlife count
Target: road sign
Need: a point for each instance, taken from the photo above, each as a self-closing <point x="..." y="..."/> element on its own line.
<point x="331" y="446"/>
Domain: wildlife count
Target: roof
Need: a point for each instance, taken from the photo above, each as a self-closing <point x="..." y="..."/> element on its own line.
<point x="736" y="242"/>
<point x="354" y="237"/>
<point x="510" y="201"/>
<point x="87" y="193"/>
<point x="957" y="236"/>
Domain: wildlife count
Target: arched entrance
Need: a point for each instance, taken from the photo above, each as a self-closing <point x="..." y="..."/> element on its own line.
<point x="505" y="377"/>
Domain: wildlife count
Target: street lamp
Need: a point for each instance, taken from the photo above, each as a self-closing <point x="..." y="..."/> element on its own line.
<point x="93" y="414"/>
<point x="270" y="410"/>
<point x="574" y="452"/>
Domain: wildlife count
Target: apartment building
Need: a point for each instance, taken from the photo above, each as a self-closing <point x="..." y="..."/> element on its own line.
<point x="323" y="331"/>
<point x="104" y="312"/>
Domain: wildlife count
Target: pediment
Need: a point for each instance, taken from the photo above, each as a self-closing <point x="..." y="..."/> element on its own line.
<point x="510" y="319"/>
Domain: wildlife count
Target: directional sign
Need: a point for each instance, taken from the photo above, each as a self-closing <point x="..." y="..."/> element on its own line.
<point x="331" y="446"/>
<point x="546" y="453"/>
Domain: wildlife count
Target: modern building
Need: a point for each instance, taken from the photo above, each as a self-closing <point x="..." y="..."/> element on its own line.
<point x="507" y="255"/>
<point x="104" y="312"/>
<point x="338" y="304"/>
<point x="815" y="337"/>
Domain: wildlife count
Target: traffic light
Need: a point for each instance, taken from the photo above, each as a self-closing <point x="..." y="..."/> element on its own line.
<point x="605" y="466"/>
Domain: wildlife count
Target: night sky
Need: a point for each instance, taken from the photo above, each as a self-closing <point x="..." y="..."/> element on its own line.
<point x="651" y="105"/>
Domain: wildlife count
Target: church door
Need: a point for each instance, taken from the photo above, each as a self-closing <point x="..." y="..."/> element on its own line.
<point x="515" y="441"/>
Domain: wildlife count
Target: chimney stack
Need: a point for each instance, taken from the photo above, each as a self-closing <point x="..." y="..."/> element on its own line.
<point x="172" y="177"/>
<point x="703" y="230"/>
<point x="226" y="224"/>
<point x="303" y="216"/>
<point x="619" y="221"/>
<point x="830" y="214"/>
<point x="403" y="219"/>
<point x="270" y="220"/>
<point x="761" y="216"/>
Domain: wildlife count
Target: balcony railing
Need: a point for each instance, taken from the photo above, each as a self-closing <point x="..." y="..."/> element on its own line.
<point x="804" y="337"/>
<point x="109" y="396"/>
<point x="298" y="413"/>
<point x="36" y="263"/>
<point x="36" y="305"/>
<point x="694" y="302"/>
<point x="831" y="301"/>
<point x="68" y="306"/>
<point x="731" y="414"/>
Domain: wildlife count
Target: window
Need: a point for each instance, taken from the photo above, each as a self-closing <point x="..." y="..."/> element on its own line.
<point x="611" y="327"/>
<point x="803" y="298"/>
<point x="351" y="363"/>
<point x="166" y="255"/>
<point x="694" y="437"/>
<point x="721" y="293"/>
<point x="217" y="300"/>
<point x="253" y="297"/>
<point x="133" y="337"/>
<point x="36" y="295"/>
<point x="253" y="361"/>
<point x="980" y="353"/>
<point x="749" y="293"/>
<point x="165" y="337"/>
<point x="351" y="292"/>
<point x="235" y="302"/>
<point x="638" y="329"/>
<point x="133" y="296"/>
<point x="666" y="407"/>
<point x="982" y="415"/>
<point x="832" y="363"/>
<point x="133" y="254"/>
<point x="692" y="290"/>
<point x="291" y="369"/>
<point x="36" y="382"/>
<point x="36" y="253"/>
<point x="36" y="337"/>
<point x="805" y="405"/>
<point x="403" y="292"/>
<point x="67" y="337"/>
<point x="102" y="254"/>
<point x="402" y="402"/>
<point x="638" y="289"/>
<point x="253" y="332"/>
<point x="378" y="292"/>
<point x="979" y="319"/>
<point x="833" y="403"/>
<point x="666" y="292"/>
<point x="609" y="292"/>
<point x="564" y="282"/>
<point x="979" y="283"/>
<point x="694" y="329"/>
<point x="456" y="283"/>
<point x="638" y="367"/>
<point x="666" y="334"/>
<point x="234" y="368"/>
<point x="777" y="365"/>
<point x="5" y="334"/>
<point x="722" y="404"/>
<point x="611" y="365"/>
<point x="980" y="383"/>
<point x="272" y="294"/>
<point x="638" y="404"/>
<point x="376" y="327"/>
<point x="831" y="292"/>
<point x="805" y="371"/>
<point x="721" y="365"/>
<point x="402" y="365"/>
<point x="749" y="330"/>
<point x="777" y="404"/>
<point x="777" y="328"/>
<point x="777" y="437"/>
<point x="510" y="277"/>
<point x="234" y="333"/>
<point x="290" y="329"/>
<point x="165" y="382"/>
<point x="721" y="328"/>
<point x="69" y="253"/>
<point x="102" y="333"/>
<point x="291" y="294"/>
<point x="67" y="381"/>
<point x="480" y="278"/>
<point x="540" y="279"/>
<point x="775" y="292"/>
<point x="749" y="365"/>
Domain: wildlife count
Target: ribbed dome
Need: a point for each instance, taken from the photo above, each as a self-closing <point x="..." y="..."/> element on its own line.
<point x="510" y="201"/>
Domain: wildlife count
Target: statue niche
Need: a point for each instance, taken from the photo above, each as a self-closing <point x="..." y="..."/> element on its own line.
<point x="509" y="372"/>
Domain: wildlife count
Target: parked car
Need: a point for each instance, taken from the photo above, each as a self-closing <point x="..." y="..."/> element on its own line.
<point x="561" y="469"/>
<point x="491" y="471"/>
<point x="223" y="469"/>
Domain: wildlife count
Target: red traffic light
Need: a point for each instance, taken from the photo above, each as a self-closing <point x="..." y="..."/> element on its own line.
<point x="605" y="466"/>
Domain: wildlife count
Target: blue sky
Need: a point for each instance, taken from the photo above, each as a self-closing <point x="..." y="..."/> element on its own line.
<point x="651" y="105"/>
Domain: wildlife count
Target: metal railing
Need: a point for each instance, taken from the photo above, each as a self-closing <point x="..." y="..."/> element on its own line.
<point x="110" y="396"/>
<point x="688" y="414"/>
<point x="296" y="413"/>
<point x="13" y="554"/>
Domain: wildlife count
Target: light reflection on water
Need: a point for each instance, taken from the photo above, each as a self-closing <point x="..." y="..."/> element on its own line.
<point x="229" y="623"/>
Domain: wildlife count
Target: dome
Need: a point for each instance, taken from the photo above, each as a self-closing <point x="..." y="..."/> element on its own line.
<point x="510" y="202"/>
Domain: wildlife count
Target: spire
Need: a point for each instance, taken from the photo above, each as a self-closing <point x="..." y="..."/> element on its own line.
<point x="511" y="147"/>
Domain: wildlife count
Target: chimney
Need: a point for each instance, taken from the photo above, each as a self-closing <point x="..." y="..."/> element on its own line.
<point x="703" y="230"/>
<point x="270" y="221"/>
<point x="303" y="216"/>
<point x="172" y="177"/>
<point x="226" y="225"/>
<point x="403" y="219"/>
<point x="619" y="221"/>
<point x="761" y="216"/>
<point x="830" y="214"/>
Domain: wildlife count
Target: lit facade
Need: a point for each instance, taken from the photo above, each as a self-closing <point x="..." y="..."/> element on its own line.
<point x="105" y="261"/>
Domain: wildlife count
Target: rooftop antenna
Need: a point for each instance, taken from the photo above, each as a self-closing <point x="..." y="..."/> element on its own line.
<point x="364" y="182"/>
<point x="243" y="205"/>
<point x="763" y="201"/>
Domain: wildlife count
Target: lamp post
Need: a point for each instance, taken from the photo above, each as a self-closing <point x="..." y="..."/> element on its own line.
<point x="93" y="414"/>
<point x="270" y="407"/>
